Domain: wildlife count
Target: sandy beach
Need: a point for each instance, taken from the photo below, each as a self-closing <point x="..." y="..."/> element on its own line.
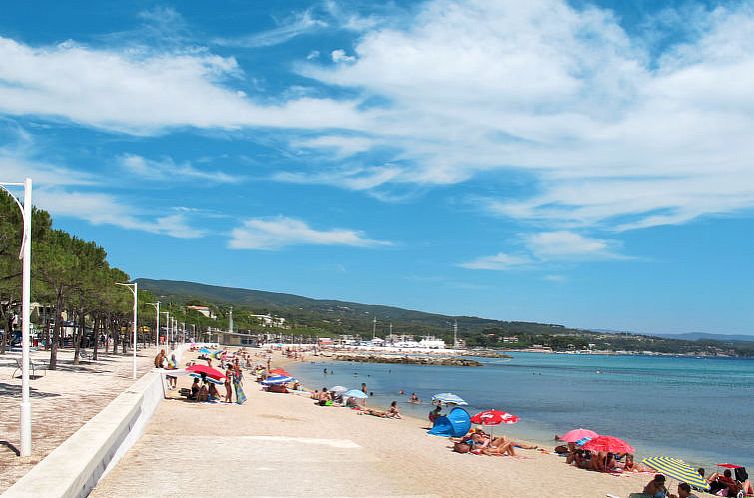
<point x="62" y="401"/>
<point x="285" y="445"/>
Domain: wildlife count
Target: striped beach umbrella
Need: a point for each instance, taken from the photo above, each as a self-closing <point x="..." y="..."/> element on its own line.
<point x="677" y="469"/>
<point x="448" y="399"/>
<point x="277" y="379"/>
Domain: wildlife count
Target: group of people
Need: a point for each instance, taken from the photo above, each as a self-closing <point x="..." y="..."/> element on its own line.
<point x="478" y="442"/>
<point x="162" y="361"/>
<point x="656" y="489"/>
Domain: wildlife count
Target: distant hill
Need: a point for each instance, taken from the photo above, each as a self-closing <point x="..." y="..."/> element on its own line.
<point x="702" y="336"/>
<point x="342" y="316"/>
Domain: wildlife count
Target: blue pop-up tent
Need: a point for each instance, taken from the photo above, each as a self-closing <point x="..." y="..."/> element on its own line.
<point x="456" y="424"/>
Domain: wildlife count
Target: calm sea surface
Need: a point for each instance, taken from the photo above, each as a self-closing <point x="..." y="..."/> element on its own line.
<point x="701" y="410"/>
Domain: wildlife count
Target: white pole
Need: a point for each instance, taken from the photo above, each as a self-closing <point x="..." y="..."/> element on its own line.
<point x="136" y="298"/>
<point x="26" y="312"/>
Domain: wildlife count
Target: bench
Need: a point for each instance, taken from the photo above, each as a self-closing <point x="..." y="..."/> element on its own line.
<point x="32" y="364"/>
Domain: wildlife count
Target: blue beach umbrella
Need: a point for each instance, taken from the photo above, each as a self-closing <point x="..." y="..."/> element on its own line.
<point x="338" y="389"/>
<point x="448" y="399"/>
<point x="205" y="351"/>
<point x="277" y="379"/>
<point x="354" y="393"/>
<point x="677" y="469"/>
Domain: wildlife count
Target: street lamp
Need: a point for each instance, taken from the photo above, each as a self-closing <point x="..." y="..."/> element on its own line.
<point x="157" y="333"/>
<point x="134" y="288"/>
<point x="25" y="255"/>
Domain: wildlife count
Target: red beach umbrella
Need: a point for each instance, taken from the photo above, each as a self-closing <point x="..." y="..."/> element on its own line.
<point x="493" y="417"/>
<point x="207" y="370"/>
<point x="280" y="371"/>
<point x="577" y="435"/>
<point x="610" y="444"/>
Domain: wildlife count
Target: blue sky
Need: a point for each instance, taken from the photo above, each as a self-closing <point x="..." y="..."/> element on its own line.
<point x="584" y="163"/>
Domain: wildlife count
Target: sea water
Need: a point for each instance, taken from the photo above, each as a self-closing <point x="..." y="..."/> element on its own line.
<point x="698" y="409"/>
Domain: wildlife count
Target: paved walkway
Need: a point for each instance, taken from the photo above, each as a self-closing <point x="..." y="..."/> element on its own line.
<point x="61" y="401"/>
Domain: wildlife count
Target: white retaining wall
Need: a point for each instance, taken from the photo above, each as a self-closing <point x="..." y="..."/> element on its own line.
<point x="73" y="469"/>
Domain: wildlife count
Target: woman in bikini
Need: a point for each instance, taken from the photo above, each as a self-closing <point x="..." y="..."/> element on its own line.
<point x="229" y="385"/>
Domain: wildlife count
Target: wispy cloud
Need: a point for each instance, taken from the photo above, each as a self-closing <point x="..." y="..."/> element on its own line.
<point x="546" y="247"/>
<point x="563" y="245"/>
<point x="106" y="209"/>
<point x="302" y="23"/>
<point x="167" y="169"/>
<point x="499" y="261"/>
<point x="275" y="233"/>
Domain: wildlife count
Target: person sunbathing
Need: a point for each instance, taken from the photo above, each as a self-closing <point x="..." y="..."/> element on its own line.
<point x="684" y="491"/>
<point x="725" y="480"/>
<point x="213" y="394"/>
<point x="517" y="444"/>
<point x="631" y="466"/>
<point x="656" y="487"/>
<point x="393" y="412"/>
<point x="203" y="394"/>
<point x="499" y="447"/>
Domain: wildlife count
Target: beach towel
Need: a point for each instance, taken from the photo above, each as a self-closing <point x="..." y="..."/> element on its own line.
<point x="238" y="387"/>
<point x="456" y="424"/>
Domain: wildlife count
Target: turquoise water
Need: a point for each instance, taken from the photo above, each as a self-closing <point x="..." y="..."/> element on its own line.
<point x="698" y="409"/>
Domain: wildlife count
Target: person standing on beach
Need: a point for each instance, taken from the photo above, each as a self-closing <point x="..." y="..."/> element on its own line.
<point x="238" y="384"/>
<point x="228" y="385"/>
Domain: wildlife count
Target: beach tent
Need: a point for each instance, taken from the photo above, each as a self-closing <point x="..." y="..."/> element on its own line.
<point x="456" y="424"/>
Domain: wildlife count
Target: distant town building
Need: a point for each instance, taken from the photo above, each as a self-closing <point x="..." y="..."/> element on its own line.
<point x="270" y="321"/>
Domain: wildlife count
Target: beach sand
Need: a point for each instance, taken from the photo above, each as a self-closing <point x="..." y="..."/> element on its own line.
<point x="62" y="400"/>
<point x="285" y="445"/>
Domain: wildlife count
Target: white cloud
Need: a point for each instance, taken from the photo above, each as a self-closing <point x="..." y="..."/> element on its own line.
<point x="356" y="178"/>
<point x="548" y="247"/>
<point x="500" y="261"/>
<point x="314" y="54"/>
<point x="613" y="134"/>
<point x="341" y="146"/>
<point x="140" y="92"/>
<point x="167" y="169"/>
<point x="339" y="56"/>
<point x="105" y="209"/>
<point x="275" y="233"/>
<point x="563" y="245"/>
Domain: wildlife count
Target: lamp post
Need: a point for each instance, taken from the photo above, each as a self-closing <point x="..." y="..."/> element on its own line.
<point x="167" y="326"/>
<point x="134" y="288"/>
<point x="25" y="256"/>
<point x="157" y="333"/>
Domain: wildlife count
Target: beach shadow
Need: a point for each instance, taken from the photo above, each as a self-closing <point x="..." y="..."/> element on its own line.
<point x="13" y="391"/>
<point x="10" y="446"/>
